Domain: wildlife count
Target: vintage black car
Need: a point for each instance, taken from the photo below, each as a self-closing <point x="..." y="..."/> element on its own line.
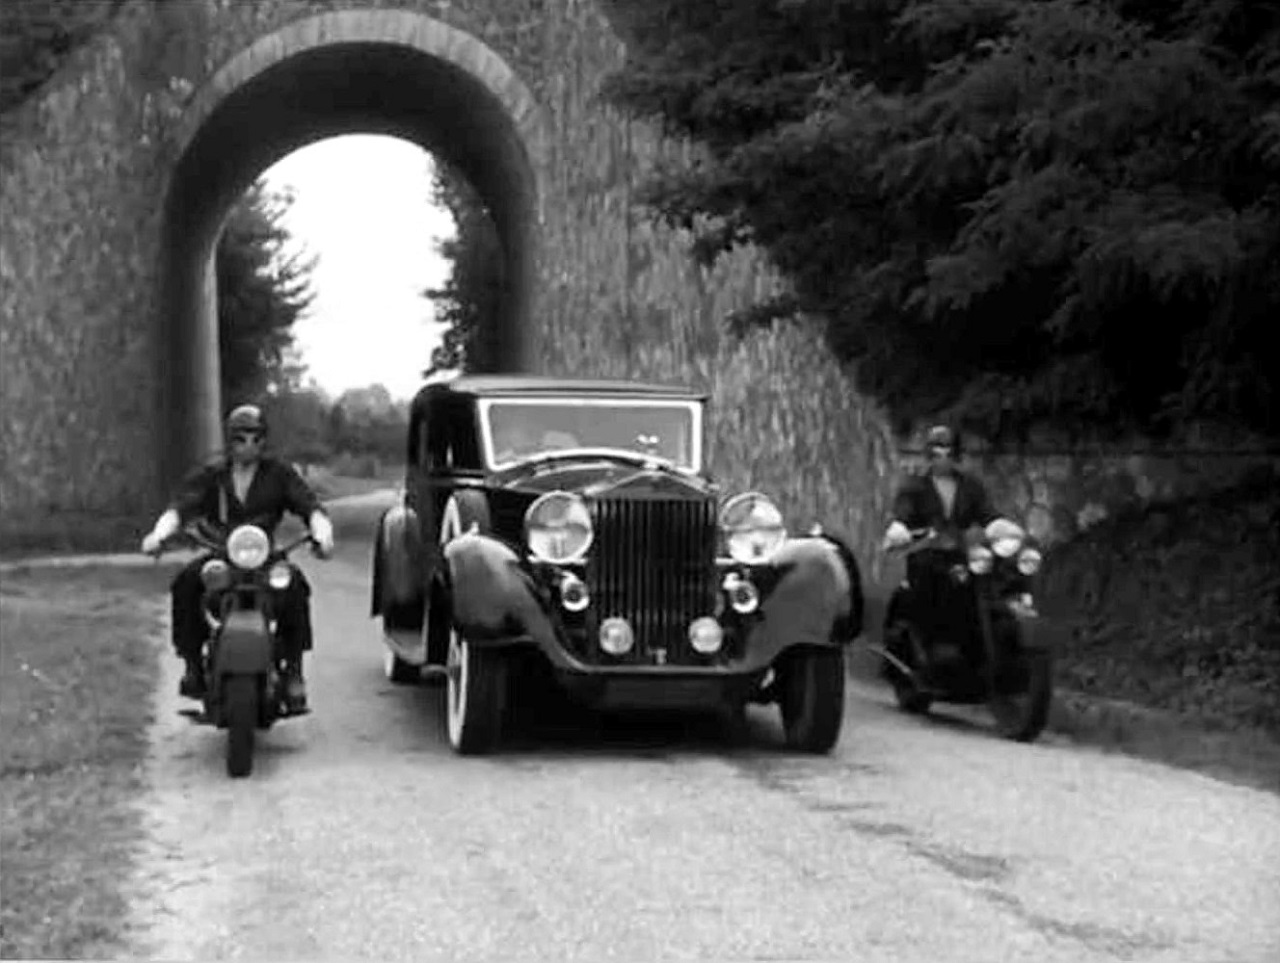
<point x="573" y="521"/>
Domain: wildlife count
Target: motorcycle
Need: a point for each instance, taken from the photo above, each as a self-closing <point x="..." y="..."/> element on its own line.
<point x="965" y="630"/>
<point x="244" y="662"/>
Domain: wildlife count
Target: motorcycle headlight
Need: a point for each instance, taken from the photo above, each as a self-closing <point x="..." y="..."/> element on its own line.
<point x="280" y="576"/>
<point x="752" y="527"/>
<point x="1005" y="536"/>
<point x="215" y="574"/>
<point x="248" y="547"/>
<point x="980" y="560"/>
<point x="1029" y="560"/>
<point x="558" y="529"/>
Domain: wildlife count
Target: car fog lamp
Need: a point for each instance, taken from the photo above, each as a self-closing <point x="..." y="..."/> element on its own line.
<point x="573" y="593"/>
<point x="705" y="635"/>
<point x="616" y="636"/>
<point x="743" y="596"/>
<point x="558" y="528"/>
<point x="280" y="576"/>
<point x="248" y="547"/>
<point x="753" y="527"/>
<point x="1029" y="561"/>
<point x="215" y="574"/>
<point x="980" y="560"/>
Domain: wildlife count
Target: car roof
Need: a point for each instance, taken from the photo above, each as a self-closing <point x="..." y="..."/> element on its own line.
<point x="509" y="385"/>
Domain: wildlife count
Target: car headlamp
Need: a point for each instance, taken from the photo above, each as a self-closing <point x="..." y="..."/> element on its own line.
<point x="753" y="528"/>
<point x="980" y="559"/>
<point x="248" y="547"/>
<point x="558" y="528"/>
<point x="1029" y="561"/>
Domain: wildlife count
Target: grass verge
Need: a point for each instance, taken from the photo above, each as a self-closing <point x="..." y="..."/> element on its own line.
<point x="78" y="665"/>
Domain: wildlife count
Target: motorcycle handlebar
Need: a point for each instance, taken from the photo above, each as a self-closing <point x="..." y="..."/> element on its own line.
<point x="202" y="540"/>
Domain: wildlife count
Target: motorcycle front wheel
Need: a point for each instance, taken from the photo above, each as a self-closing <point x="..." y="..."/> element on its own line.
<point x="240" y="711"/>
<point x="1023" y="716"/>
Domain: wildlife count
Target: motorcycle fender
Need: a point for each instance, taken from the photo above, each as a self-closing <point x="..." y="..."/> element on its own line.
<point x="245" y="644"/>
<point x="492" y="597"/>
<point x="1031" y="628"/>
<point x="815" y="589"/>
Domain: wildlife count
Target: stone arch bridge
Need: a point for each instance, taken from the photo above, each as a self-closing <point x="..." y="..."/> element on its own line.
<point x="116" y="177"/>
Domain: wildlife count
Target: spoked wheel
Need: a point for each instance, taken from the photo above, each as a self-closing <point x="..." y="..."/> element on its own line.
<point x="240" y="708"/>
<point x="908" y="695"/>
<point x="475" y="696"/>
<point x="1022" y="716"/>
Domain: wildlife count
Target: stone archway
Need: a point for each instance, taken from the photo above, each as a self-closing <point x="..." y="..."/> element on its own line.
<point x="391" y="72"/>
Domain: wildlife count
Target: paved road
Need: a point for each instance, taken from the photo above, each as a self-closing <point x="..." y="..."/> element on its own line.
<point x="361" y="836"/>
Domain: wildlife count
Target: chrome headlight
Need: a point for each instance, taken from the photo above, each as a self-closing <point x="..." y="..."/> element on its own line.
<point x="1029" y="560"/>
<point x="980" y="560"/>
<point x="215" y="574"/>
<point x="752" y="527"/>
<point x="248" y="547"/>
<point x="705" y="635"/>
<point x="280" y="576"/>
<point x="1005" y="536"/>
<point x="557" y="528"/>
<point x="616" y="636"/>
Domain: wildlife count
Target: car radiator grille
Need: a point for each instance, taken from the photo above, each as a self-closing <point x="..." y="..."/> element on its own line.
<point x="653" y="563"/>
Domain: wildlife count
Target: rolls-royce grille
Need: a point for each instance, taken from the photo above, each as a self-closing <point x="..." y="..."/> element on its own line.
<point x="653" y="563"/>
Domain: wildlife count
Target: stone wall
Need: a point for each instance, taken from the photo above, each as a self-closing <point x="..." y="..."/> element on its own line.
<point x="1060" y="489"/>
<point x="89" y="160"/>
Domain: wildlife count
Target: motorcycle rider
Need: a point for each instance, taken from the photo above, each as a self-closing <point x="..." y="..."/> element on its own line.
<point x="943" y="497"/>
<point x="245" y="486"/>
<point x="951" y="502"/>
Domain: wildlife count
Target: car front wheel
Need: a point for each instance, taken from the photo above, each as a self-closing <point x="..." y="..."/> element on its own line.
<point x="475" y="695"/>
<point x="811" y="696"/>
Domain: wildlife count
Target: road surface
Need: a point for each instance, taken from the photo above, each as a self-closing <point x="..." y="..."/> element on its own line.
<point x="360" y="836"/>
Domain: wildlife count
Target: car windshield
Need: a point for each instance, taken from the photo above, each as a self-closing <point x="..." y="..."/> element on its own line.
<point x="518" y="428"/>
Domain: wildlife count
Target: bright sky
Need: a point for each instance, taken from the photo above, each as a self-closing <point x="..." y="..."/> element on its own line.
<point x="364" y="208"/>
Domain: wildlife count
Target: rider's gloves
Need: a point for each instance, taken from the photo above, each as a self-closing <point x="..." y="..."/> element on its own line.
<point x="897" y="535"/>
<point x="322" y="532"/>
<point x="166" y="525"/>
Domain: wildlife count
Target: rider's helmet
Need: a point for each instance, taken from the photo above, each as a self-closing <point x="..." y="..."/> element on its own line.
<point x="246" y="419"/>
<point x="943" y="436"/>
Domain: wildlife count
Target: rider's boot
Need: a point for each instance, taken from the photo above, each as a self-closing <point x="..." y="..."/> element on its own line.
<point x="295" y="686"/>
<point x="192" y="685"/>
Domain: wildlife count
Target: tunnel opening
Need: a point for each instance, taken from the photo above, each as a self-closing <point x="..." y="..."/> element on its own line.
<point x="259" y="113"/>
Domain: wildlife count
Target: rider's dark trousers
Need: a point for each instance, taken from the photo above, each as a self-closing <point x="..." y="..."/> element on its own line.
<point x="189" y="631"/>
<point x="948" y="610"/>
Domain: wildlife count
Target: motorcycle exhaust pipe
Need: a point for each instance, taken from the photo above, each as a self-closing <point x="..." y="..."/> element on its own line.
<point x="894" y="661"/>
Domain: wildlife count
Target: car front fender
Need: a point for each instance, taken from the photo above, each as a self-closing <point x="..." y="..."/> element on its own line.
<point x="399" y="560"/>
<point x="492" y="598"/>
<point x="817" y="598"/>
